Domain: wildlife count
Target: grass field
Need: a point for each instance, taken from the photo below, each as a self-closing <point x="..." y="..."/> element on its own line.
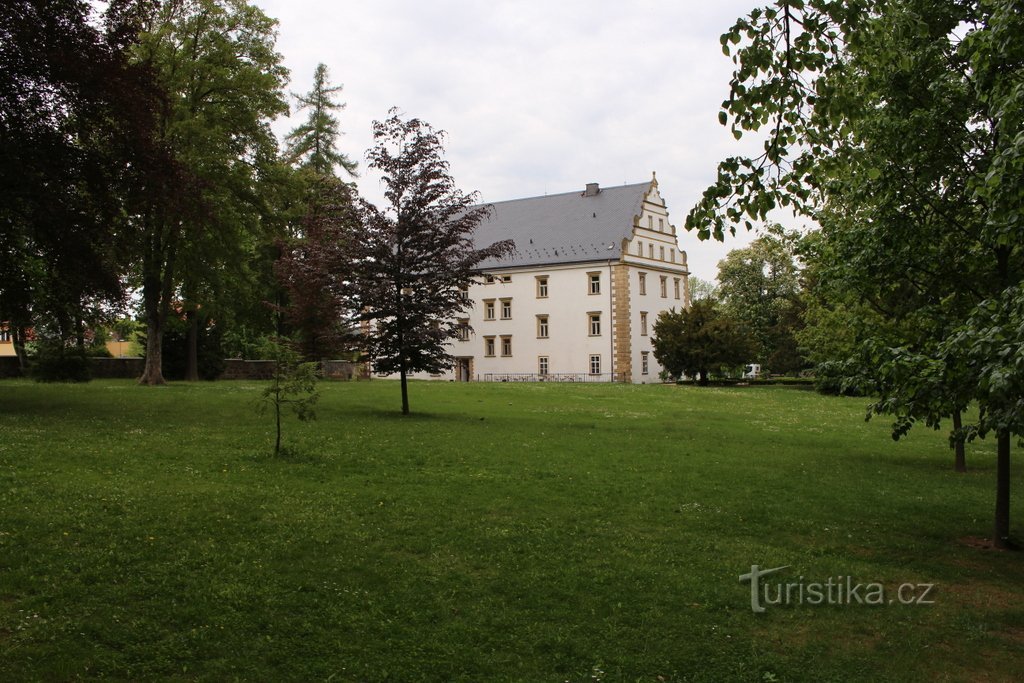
<point x="504" y="532"/>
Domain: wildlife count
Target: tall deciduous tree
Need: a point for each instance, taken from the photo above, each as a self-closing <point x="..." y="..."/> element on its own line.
<point x="759" y="287"/>
<point x="313" y="144"/>
<point x="75" y="130"/>
<point x="415" y="254"/>
<point x="223" y="80"/>
<point x="702" y="289"/>
<point x="896" y="125"/>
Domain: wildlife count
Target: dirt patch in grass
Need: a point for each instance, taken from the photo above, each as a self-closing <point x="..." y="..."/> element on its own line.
<point x="980" y="595"/>
<point x="979" y="543"/>
<point x="1014" y="634"/>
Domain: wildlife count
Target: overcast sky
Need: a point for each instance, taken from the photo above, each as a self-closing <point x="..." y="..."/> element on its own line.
<point x="536" y="97"/>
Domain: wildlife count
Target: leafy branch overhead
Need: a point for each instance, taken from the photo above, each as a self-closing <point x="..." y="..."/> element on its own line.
<point x="896" y="126"/>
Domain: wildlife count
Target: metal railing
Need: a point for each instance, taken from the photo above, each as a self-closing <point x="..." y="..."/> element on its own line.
<point x="570" y="377"/>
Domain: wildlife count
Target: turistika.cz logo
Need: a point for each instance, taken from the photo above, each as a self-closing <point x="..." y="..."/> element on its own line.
<point x="837" y="590"/>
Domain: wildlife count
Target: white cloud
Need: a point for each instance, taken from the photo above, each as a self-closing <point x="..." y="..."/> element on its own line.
<point x="535" y="96"/>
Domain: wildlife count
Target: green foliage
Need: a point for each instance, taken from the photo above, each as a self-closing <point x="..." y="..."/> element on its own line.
<point x="74" y="124"/>
<point x="702" y="289"/>
<point x="990" y="350"/>
<point x="56" y="361"/>
<point x="313" y="144"/>
<point x="292" y="388"/>
<point x="699" y="340"/>
<point x="241" y="341"/>
<point x="759" y="287"/>
<point x="896" y="126"/>
<point x="223" y="83"/>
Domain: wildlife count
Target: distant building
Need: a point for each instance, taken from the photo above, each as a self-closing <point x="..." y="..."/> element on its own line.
<point x="6" y="341"/>
<point x="578" y="298"/>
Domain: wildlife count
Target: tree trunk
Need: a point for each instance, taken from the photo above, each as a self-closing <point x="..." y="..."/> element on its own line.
<point x="153" y="373"/>
<point x="277" y="416"/>
<point x="405" y="392"/>
<point x="959" y="457"/>
<point x="192" y="354"/>
<point x="1002" y="528"/>
<point x="19" y="348"/>
<point x="703" y="378"/>
<point x="80" y="336"/>
<point x="157" y="289"/>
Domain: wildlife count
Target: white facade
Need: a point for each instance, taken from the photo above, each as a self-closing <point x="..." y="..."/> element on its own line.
<point x="586" y="311"/>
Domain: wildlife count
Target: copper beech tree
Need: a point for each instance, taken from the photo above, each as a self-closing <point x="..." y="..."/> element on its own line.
<point x="414" y="255"/>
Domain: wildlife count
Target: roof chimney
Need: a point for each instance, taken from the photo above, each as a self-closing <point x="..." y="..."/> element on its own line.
<point x="592" y="190"/>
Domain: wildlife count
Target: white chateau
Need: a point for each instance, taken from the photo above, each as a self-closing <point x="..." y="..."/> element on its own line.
<point x="578" y="298"/>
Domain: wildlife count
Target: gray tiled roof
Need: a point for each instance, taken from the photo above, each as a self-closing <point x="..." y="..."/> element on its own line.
<point x="563" y="228"/>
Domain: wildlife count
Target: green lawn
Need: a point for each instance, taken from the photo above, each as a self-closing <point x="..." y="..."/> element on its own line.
<point x="504" y="532"/>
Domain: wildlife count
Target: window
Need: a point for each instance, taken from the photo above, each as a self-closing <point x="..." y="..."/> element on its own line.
<point x="650" y="222"/>
<point x="650" y="251"/>
<point x="506" y="345"/>
<point x="542" y="327"/>
<point x="489" y="279"/>
<point x="595" y="283"/>
<point x="464" y="292"/>
<point x="639" y="248"/>
<point x="643" y="283"/>
<point x="643" y="323"/>
<point x="664" y="286"/>
<point x="542" y="365"/>
<point x="661" y="253"/>
<point x="489" y="346"/>
<point x="595" y="324"/>
<point x="672" y="255"/>
<point x="542" y="286"/>
<point x="506" y="278"/>
<point x="506" y="309"/>
<point x="5" y="335"/>
<point x="463" y="329"/>
<point x="645" y="364"/>
<point x="675" y="284"/>
<point x="661" y="224"/>
<point x="488" y="309"/>
<point x="595" y="364"/>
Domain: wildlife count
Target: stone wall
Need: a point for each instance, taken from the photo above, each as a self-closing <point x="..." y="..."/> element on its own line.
<point x="117" y="368"/>
<point x="344" y="370"/>
<point x="234" y="368"/>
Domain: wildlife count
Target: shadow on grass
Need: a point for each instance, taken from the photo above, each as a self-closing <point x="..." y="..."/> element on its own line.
<point x="414" y="416"/>
<point x="291" y="454"/>
<point x="801" y="386"/>
<point x="980" y="464"/>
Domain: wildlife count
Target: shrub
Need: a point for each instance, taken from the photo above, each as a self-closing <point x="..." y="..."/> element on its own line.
<point x="56" y="362"/>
